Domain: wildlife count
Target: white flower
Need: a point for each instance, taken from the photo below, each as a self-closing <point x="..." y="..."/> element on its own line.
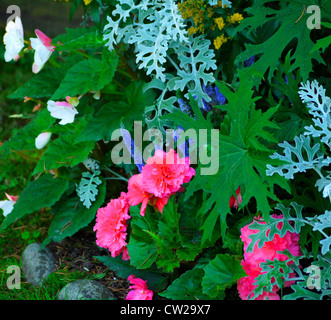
<point x="43" y="50"/>
<point x="62" y="110"/>
<point x="42" y="139"/>
<point x="13" y="39"/>
<point x="8" y="205"/>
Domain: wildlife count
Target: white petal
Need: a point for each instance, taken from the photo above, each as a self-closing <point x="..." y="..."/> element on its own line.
<point x="7" y="206"/>
<point x="13" y="40"/>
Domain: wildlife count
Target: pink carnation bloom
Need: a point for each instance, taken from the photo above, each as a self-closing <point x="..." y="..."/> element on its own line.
<point x="269" y="250"/>
<point x="111" y="225"/>
<point x="136" y="195"/>
<point x="161" y="177"/>
<point x="164" y="173"/>
<point x="139" y="289"/>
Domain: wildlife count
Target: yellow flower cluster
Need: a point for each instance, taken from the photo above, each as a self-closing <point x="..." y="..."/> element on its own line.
<point x="220" y="40"/>
<point x="236" y="17"/>
<point x="87" y="2"/>
<point x="199" y="12"/>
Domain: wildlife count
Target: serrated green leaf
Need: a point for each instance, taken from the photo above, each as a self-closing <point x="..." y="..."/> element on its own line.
<point x="40" y="193"/>
<point x="242" y="159"/>
<point x="169" y="224"/>
<point x="287" y="26"/>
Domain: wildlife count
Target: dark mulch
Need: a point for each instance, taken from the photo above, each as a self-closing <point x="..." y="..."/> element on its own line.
<point x="77" y="253"/>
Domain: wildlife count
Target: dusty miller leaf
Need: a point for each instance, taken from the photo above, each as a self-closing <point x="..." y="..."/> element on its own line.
<point x="319" y="106"/>
<point x="87" y="189"/>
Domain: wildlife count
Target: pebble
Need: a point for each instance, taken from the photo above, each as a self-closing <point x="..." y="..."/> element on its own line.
<point x="37" y="263"/>
<point x="85" y="289"/>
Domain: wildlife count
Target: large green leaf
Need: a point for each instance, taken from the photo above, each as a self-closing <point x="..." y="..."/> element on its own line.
<point x="288" y="24"/>
<point x="186" y="287"/>
<point x="242" y="160"/>
<point x="221" y="273"/>
<point x="70" y="215"/>
<point x="40" y="193"/>
<point x="87" y="75"/>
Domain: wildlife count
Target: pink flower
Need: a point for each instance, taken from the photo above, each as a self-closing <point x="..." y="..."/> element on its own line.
<point x="164" y="173"/>
<point x="136" y="194"/>
<point x="43" y="50"/>
<point x="111" y="225"/>
<point x="234" y="202"/>
<point x="161" y="177"/>
<point x="139" y="289"/>
<point x="269" y="250"/>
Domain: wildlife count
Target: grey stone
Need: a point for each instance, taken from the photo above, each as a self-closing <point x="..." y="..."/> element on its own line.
<point x="37" y="263"/>
<point x="86" y="290"/>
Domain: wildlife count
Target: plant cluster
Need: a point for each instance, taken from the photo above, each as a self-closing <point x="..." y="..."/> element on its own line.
<point x="236" y="205"/>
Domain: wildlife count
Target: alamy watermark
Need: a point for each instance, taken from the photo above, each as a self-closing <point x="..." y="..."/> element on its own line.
<point x="314" y="20"/>
<point x="14" y="280"/>
<point x="15" y="11"/>
<point x="201" y="146"/>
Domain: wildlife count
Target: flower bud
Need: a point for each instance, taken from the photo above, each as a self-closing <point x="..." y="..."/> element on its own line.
<point x="42" y="139"/>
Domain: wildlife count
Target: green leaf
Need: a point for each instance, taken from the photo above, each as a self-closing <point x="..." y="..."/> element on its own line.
<point x="241" y="160"/>
<point x="41" y="85"/>
<point x="40" y="193"/>
<point x="86" y="75"/>
<point x="25" y="138"/>
<point x="141" y="247"/>
<point x="155" y="280"/>
<point x="186" y="287"/>
<point x="169" y="224"/>
<point x="70" y="215"/>
<point x="80" y="38"/>
<point x="110" y="115"/>
<point x="221" y="273"/>
<point x="167" y="258"/>
<point x="286" y="26"/>
<point x="63" y="152"/>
